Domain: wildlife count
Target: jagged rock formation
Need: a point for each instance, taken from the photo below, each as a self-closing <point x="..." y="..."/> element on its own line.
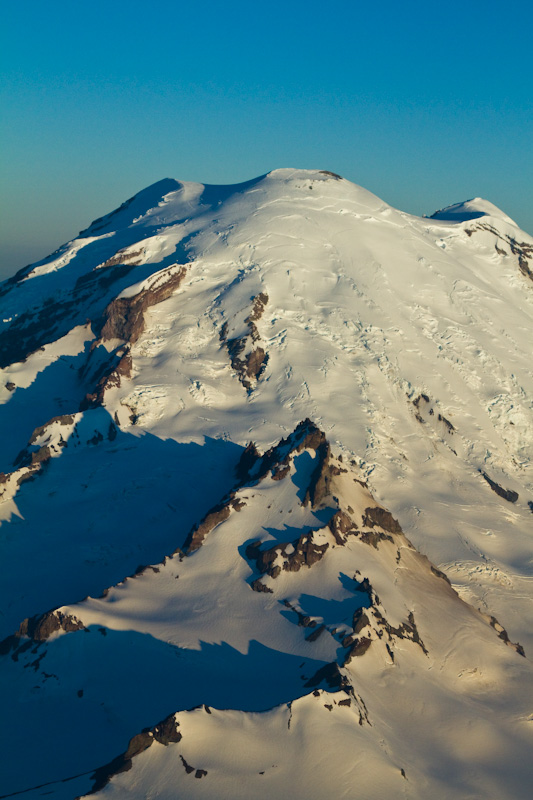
<point x="507" y="494"/>
<point x="522" y="250"/>
<point x="165" y="732"/>
<point x="124" y="316"/>
<point x="248" y="359"/>
<point x="48" y="441"/>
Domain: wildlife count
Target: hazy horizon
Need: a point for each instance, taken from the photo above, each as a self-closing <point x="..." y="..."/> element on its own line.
<point x="420" y="106"/>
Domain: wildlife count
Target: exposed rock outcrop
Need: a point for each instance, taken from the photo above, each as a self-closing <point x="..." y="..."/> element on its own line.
<point x="358" y="648"/>
<point x="342" y="525"/>
<point x="329" y="174"/>
<point x="217" y="515"/>
<point x="424" y="406"/>
<point x="504" y="636"/>
<point x="46" y="442"/>
<point x="111" y="378"/>
<point x="55" y="316"/>
<point x="248" y="359"/>
<point x="521" y="250"/>
<point x="248" y="460"/>
<point x="253" y="466"/>
<point x="331" y="675"/>
<point x="382" y="518"/>
<point x="289" y="556"/>
<point x="124" y="316"/>
<point x="39" y="628"/>
<point x="123" y="320"/>
<point x="507" y="494"/>
<point x="64" y="419"/>
<point x="165" y="732"/>
<point x="319" y="485"/>
<point x="406" y="630"/>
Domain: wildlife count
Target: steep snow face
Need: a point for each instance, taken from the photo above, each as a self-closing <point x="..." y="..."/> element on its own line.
<point x="138" y="362"/>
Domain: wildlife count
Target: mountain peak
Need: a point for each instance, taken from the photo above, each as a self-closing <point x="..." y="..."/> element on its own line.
<point x="472" y="209"/>
<point x="278" y="435"/>
<point x="130" y="209"/>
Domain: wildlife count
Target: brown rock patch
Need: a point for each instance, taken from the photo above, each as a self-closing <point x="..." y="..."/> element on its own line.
<point x="382" y="518"/>
<point x="507" y="494"/>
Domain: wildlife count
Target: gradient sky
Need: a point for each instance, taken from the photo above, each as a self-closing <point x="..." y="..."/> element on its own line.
<point x="422" y="103"/>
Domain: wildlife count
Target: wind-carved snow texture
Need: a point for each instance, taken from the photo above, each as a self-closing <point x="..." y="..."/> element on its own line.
<point x="259" y="620"/>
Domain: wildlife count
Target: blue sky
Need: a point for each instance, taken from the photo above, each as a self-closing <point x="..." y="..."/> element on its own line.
<point x="424" y="104"/>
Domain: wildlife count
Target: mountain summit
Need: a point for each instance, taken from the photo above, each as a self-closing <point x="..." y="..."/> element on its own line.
<point x="266" y="499"/>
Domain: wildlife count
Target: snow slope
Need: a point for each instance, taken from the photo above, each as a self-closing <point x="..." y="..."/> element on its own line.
<point x="137" y="364"/>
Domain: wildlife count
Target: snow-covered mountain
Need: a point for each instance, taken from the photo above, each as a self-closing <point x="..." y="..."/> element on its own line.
<point x="266" y="500"/>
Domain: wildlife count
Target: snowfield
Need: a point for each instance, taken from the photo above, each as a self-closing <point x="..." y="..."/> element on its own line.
<point x="343" y="608"/>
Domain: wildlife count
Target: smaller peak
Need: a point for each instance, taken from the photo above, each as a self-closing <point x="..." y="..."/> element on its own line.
<point x="468" y="210"/>
<point x="163" y="186"/>
<point x="306" y="435"/>
<point x="135" y="206"/>
<point x="254" y="466"/>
